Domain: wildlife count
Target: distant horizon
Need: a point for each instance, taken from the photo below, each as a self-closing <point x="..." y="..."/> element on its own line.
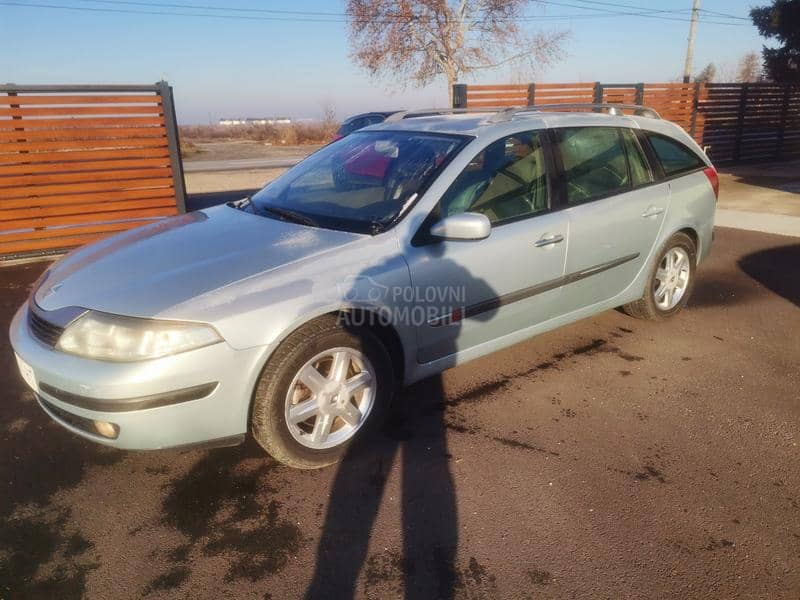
<point x="238" y="66"/>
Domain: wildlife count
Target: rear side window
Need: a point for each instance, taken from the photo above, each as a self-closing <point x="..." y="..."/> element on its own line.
<point x="674" y="157"/>
<point x="594" y="162"/>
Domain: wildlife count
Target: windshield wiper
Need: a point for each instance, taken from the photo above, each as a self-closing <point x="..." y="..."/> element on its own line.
<point x="289" y="215"/>
<point x="376" y="226"/>
<point x="241" y="204"/>
<point x="284" y="213"/>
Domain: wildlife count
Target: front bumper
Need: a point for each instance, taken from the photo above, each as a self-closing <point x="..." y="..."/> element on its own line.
<point x="99" y="391"/>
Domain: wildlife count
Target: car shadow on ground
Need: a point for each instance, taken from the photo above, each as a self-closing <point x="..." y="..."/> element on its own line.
<point x="39" y="461"/>
<point x="714" y="288"/>
<point x="415" y="435"/>
<point x="424" y="556"/>
<point x="769" y="267"/>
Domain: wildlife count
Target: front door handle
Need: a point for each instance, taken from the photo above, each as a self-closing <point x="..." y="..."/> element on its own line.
<point x="652" y="211"/>
<point x="549" y="240"/>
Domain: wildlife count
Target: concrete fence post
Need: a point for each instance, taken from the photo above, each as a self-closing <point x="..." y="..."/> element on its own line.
<point x="787" y="90"/>
<point x="737" y="152"/>
<point x="698" y="87"/>
<point x="531" y="94"/>
<point x="639" y="97"/>
<point x="460" y="95"/>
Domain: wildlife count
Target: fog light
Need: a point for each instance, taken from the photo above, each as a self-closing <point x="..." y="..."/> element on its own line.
<point x="107" y="430"/>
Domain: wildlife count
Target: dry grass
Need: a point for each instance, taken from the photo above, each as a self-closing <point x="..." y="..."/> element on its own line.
<point x="189" y="148"/>
<point x="224" y="181"/>
<point x="293" y="134"/>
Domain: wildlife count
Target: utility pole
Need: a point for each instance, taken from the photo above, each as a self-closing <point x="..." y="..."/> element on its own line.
<point x="687" y="69"/>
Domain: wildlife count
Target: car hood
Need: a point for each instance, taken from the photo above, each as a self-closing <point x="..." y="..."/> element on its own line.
<point x="145" y="271"/>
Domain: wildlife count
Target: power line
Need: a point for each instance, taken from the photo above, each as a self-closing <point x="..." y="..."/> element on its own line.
<point x="643" y="14"/>
<point x="319" y="17"/>
<point x="160" y="13"/>
<point x="350" y="15"/>
<point x="710" y="12"/>
<point x="725" y="15"/>
<point x="300" y="13"/>
<point x="337" y="16"/>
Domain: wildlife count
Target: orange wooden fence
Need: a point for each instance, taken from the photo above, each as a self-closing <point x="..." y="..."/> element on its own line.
<point x="736" y="121"/>
<point x="80" y="162"/>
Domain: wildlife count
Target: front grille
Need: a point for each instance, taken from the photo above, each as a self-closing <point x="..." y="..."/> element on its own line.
<point x="43" y="330"/>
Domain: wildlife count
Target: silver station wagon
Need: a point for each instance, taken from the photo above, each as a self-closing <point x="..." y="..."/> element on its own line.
<point x="388" y="256"/>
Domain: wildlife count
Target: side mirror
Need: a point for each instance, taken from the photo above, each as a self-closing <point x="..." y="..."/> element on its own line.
<point x="465" y="226"/>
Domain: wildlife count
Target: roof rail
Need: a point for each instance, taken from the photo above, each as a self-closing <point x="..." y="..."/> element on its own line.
<point x="613" y="109"/>
<point x="430" y="112"/>
<point x="500" y="114"/>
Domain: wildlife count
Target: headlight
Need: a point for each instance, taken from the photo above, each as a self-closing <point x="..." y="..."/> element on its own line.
<point x="103" y="336"/>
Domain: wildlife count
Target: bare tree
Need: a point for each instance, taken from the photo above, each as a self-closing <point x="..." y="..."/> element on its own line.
<point x="707" y="74"/>
<point x="329" y="122"/>
<point x="749" y="68"/>
<point x="419" y="40"/>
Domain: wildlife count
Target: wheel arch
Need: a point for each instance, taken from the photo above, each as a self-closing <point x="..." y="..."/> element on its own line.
<point x="371" y="320"/>
<point x="694" y="236"/>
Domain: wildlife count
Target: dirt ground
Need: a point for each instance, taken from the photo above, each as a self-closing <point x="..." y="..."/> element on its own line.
<point x="220" y="181"/>
<point x="241" y="149"/>
<point x="766" y="188"/>
<point x="612" y="458"/>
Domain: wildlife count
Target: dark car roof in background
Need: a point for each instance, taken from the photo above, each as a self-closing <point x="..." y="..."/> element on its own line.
<point x="383" y="113"/>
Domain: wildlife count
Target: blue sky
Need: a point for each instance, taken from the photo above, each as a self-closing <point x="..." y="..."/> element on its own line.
<point x="235" y="67"/>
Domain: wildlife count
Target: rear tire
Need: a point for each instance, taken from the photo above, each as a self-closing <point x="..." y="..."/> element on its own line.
<point x="306" y="361"/>
<point x="670" y="283"/>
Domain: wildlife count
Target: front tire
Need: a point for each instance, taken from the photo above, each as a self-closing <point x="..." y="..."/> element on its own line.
<point x="670" y="283"/>
<point x="326" y="386"/>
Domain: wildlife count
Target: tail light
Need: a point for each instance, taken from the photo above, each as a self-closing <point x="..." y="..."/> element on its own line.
<point x="713" y="178"/>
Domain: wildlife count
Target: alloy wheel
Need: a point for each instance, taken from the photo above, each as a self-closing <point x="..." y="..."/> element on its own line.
<point x="330" y="398"/>
<point x="672" y="278"/>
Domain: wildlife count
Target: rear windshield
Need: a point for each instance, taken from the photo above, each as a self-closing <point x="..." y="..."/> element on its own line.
<point x="363" y="182"/>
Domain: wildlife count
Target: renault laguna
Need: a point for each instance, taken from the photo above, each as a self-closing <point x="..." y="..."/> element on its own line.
<point x="392" y="254"/>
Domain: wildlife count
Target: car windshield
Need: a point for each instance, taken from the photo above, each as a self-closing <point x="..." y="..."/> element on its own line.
<point x="362" y="183"/>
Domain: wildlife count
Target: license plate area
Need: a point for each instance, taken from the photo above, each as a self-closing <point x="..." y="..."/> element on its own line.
<point x="27" y="374"/>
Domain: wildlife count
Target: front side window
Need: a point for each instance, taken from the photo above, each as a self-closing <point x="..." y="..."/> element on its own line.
<point x="674" y="157"/>
<point x="594" y="162"/>
<point x="506" y="180"/>
<point x="361" y="183"/>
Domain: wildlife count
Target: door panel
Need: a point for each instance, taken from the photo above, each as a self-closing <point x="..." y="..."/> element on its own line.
<point x="614" y="236"/>
<point x="615" y="213"/>
<point x="494" y="286"/>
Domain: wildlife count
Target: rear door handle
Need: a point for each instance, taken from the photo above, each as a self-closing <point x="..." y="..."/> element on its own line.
<point x="549" y="240"/>
<point x="652" y="211"/>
